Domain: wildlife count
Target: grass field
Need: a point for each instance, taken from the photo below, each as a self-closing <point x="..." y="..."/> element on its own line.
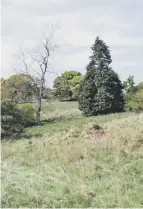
<point x="62" y="164"/>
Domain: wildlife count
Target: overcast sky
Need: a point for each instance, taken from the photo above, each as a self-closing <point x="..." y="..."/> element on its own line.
<point x="118" y="23"/>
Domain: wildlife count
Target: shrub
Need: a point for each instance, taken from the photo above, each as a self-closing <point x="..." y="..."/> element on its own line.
<point x="140" y="86"/>
<point x="15" y="117"/>
<point x="28" y="114"/>
<point x="135" y="102"/>
<point x="11" y="118"/>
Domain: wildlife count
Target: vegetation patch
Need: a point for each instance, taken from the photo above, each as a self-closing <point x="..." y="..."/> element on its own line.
<point x="86" y="170"/>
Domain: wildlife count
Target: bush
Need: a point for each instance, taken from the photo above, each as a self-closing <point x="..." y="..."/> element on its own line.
<point x="28" y="114"/>
<point x="135" y="102"/>
<point x="14" y="118"/>
<point x="11" y="118"/>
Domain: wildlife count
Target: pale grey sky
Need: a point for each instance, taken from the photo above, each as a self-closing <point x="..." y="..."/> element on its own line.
<point x="118" y="23"/>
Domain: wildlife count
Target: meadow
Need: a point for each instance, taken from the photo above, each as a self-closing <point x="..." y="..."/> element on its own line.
<point x="64" y="162"/>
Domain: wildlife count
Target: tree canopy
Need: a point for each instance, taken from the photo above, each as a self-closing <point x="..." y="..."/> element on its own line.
<point x="18" y="88"/>
<point x="66" y="86"/>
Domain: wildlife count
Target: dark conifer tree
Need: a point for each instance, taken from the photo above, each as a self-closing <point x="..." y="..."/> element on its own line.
<point x="101" y="90"/>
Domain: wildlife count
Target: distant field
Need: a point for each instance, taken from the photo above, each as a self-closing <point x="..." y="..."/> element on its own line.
<point x="59" y="164"/>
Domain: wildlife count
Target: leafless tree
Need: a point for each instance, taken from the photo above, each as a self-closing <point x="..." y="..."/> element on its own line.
<point x="37" y="63"/>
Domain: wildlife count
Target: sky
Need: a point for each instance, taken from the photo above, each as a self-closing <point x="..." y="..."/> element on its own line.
<point x="77" y="22"/>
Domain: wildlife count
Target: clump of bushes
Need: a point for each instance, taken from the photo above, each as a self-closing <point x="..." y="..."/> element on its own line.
<point x="135" y="102"/>
<point x="15" y="118"/>
<point x="11" y="118"/>
<point x="133" y="94"/>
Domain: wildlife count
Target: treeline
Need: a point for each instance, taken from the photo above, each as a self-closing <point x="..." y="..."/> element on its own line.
<point x="99" y="91"/>
<point x="67" y="88"/>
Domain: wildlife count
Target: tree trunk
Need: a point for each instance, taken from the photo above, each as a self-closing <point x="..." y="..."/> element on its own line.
<point x="38" y="109"/>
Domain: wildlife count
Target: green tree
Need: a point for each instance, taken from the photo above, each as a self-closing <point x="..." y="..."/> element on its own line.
<point x="5" y="91"/>
<point x="18" y="88"/>
<point x="101" y="89"/>
<point x="75" y="85"/>
<point x="66" y="85"/>
<point x="133" y="95"/>
<point x="135" y="103"/>
<point x="129" y="85"/>
<point x="140" y="86"/>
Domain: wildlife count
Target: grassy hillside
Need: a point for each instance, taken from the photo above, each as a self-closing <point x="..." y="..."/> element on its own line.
<point x="67" y="163"/>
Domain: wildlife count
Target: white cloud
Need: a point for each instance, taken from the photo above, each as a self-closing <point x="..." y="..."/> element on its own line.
<point x="25" y="21"/>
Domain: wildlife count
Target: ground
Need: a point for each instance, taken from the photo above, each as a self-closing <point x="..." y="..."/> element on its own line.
<point x="62" y="164"/>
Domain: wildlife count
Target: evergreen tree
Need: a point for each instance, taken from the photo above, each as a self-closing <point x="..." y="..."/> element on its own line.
<point x="101" y="89"/>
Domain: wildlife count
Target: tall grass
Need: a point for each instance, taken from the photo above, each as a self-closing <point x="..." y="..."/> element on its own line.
<point x="68" y="167"/>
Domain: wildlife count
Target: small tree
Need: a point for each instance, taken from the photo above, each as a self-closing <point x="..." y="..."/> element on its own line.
<point x="101" y="89"/>
<point x="38" y="62"/>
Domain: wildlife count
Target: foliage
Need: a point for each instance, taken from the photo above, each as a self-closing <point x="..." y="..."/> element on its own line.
<point x="5" y="91"/>
<point x="129" y="85"/>
<point x="11" y="118"/>
<point x="61" y="89"/>
<point x="140" y="86"/>
<point x="101" y="55"/>
<point x="133" y="95"/>
<point x="66" y="86"/>
<point x="135" y="101"/>
<point x="75" y="85"/>
<point x="101" y="89"/>
<point x="28" y="114"/>
<point x="14" y="118"/>
<point x="18" y="88"/>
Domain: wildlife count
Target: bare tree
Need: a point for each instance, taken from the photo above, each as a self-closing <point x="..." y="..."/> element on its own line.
<point x="37" y="63"/>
